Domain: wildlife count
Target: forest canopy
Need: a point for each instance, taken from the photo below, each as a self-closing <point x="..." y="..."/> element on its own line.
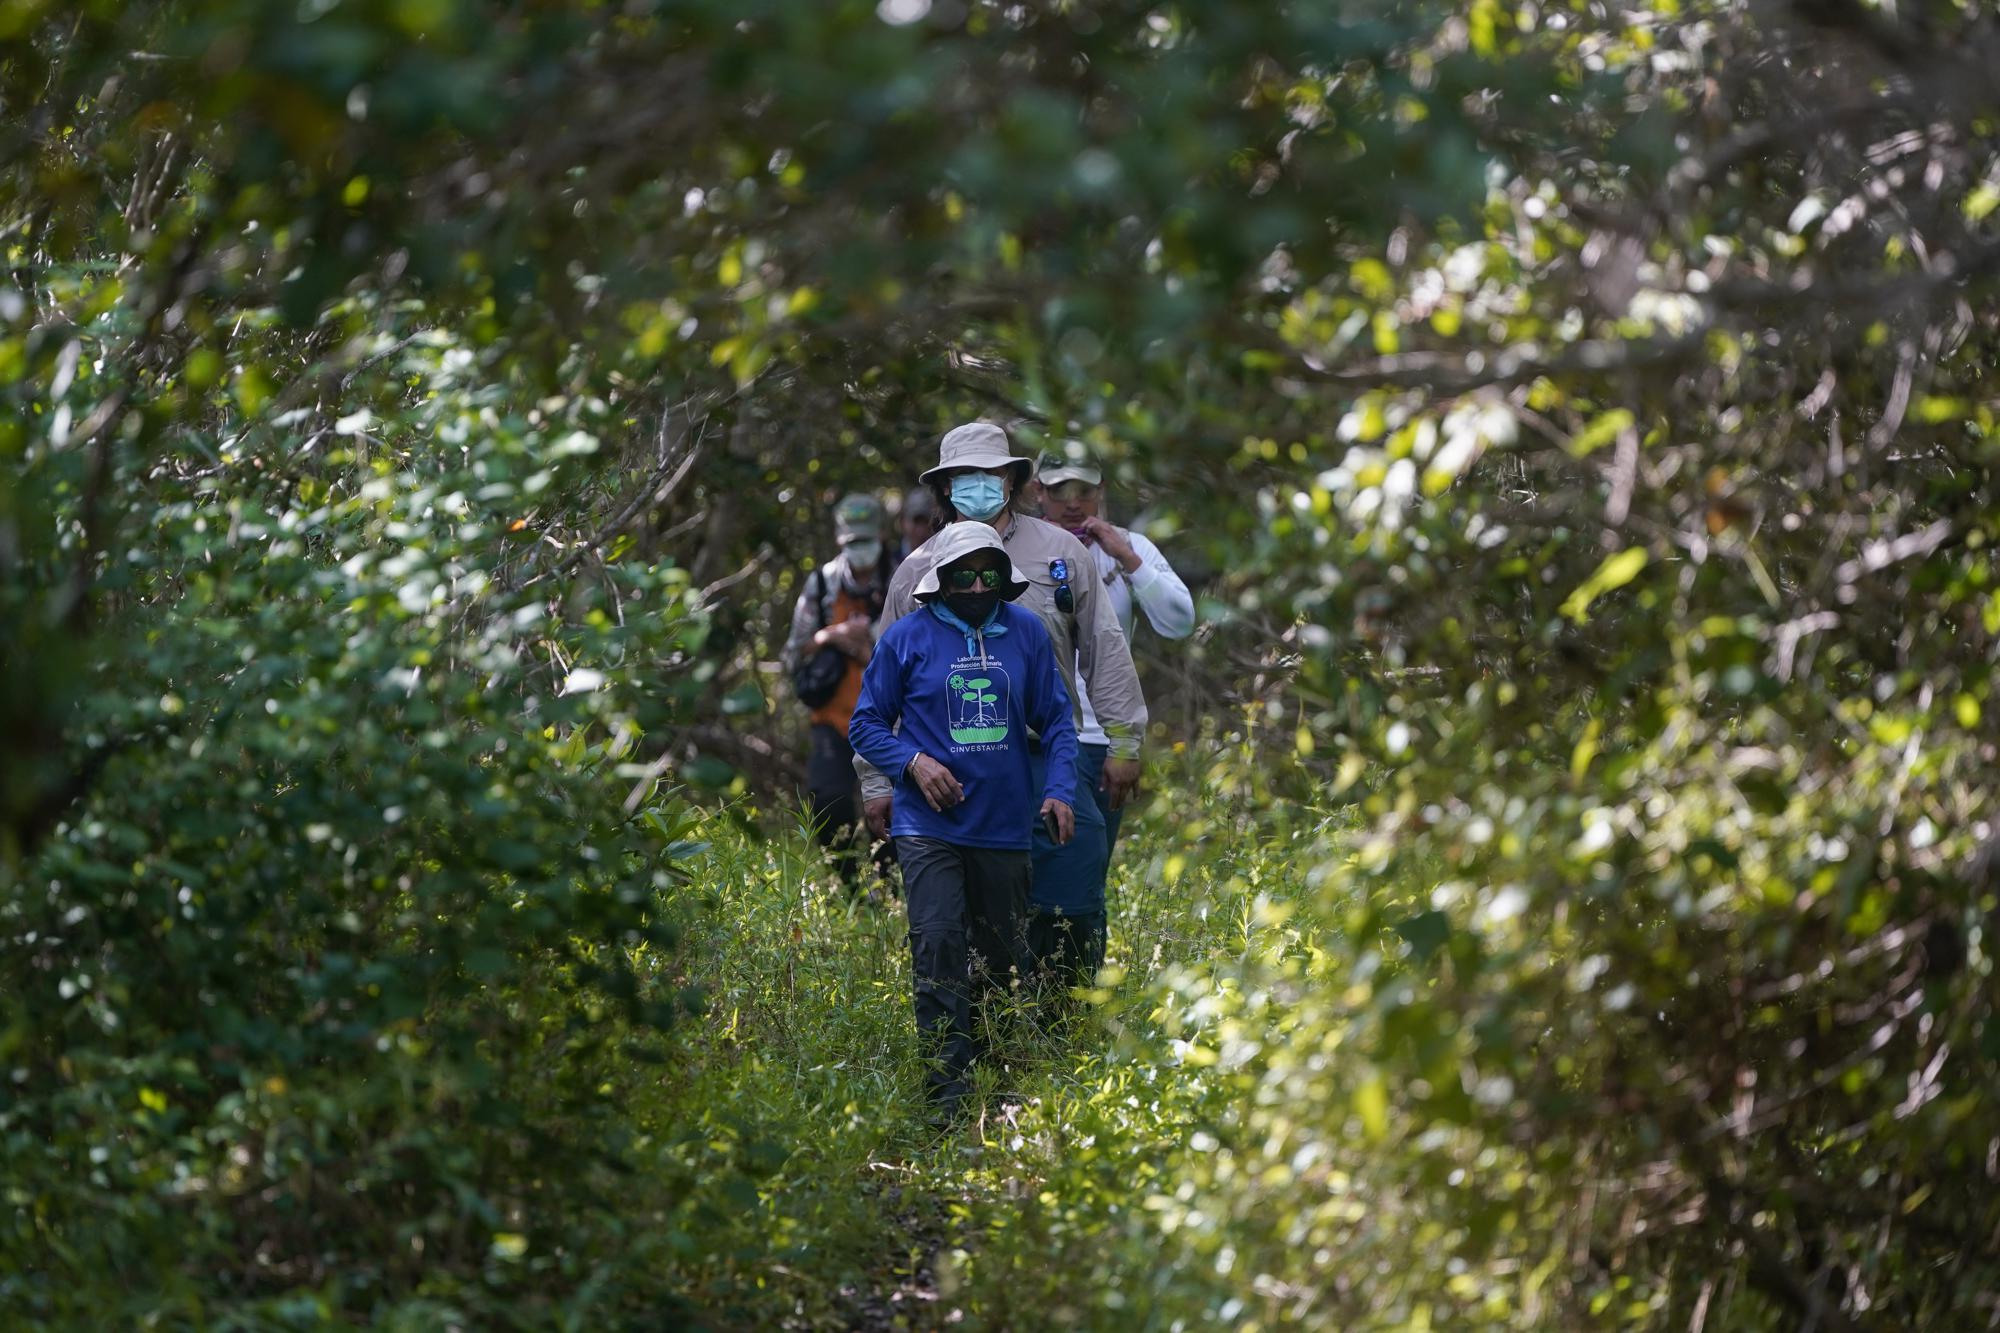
<point x="418" y="416"/>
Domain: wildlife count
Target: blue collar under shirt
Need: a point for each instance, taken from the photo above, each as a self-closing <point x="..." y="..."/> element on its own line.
<point x="993" y="628"/>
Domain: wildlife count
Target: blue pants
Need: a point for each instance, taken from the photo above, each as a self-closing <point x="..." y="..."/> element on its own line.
<point x="1090" y="771"/>
<point x="1066" y="897"/>
<point x="1069" y="879"/>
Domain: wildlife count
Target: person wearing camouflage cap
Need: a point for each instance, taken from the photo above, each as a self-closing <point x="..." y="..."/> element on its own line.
<point x="1135" y="574"/>
<point x="831" y="641"/>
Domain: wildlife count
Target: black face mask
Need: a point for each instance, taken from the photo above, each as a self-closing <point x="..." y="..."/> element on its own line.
<point x="972" y="607"/>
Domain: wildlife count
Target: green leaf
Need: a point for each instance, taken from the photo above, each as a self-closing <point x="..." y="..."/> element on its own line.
<point x="253" y="390"/>
<point x="1600" y="432"/>
<point x="1371" y="1103"/>
<point x="745" y="698"/>
<point x="1615" y="572"/>
<point x="204" y="368"/>
<point x="1425" y="933"/>
<point x="1372" y="280"/>
<point x="1586" y="750"/>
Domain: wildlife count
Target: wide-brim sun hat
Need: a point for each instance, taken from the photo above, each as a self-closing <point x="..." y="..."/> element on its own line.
<point x="955" y="543"/>
<point x="979" y="444"/>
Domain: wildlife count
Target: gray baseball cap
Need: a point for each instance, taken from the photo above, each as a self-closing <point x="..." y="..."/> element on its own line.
<point x="857" y="518"/>
<point x="1073" y="465"/>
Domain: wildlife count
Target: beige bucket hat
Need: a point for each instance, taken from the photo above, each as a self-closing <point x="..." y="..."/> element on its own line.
<point x="957" y="541"/>
<point x="979" y="444"/>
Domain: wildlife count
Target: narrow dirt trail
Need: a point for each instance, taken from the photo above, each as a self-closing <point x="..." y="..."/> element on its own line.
<point x="902" y="1292"/>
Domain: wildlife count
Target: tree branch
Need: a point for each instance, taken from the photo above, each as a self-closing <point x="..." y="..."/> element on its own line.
<point x="1449" y="372"/>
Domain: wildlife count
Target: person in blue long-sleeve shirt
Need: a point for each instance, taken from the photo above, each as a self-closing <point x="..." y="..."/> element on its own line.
<point x="953" y="699"/>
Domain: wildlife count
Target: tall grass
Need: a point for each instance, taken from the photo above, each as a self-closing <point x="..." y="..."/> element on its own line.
<point x="799" y="1087"/>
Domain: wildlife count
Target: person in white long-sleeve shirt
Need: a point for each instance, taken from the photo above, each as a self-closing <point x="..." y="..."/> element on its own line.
<point x="1135" y="575"/>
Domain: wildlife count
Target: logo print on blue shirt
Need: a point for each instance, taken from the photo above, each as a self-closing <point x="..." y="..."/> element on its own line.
<point x="978" y="703"/>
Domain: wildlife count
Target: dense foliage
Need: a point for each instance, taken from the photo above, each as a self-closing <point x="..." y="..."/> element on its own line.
<point x="417" y="417"/>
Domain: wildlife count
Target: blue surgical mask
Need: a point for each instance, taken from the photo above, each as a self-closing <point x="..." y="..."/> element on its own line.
<point x="978" y="495"/>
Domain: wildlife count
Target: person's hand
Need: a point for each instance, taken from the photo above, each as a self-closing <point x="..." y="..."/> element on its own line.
<point x="876" y="815"/>
<point x="1114" y="543"/>
<point x="859" y="640"/>
<point x="1121" y="781"/>
<point x="849" y="636"/>
<point x="1065" y="819"/>
<point x="935" y="781"/>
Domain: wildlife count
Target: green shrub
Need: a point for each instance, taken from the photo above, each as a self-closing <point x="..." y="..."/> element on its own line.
<point x="312" y="994"/>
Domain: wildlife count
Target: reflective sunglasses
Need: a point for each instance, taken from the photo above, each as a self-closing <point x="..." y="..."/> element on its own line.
<point x="965" y="580"/>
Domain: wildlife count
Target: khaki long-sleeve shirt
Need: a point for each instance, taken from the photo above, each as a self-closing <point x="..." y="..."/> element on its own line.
<point x="1087" y="641"/>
